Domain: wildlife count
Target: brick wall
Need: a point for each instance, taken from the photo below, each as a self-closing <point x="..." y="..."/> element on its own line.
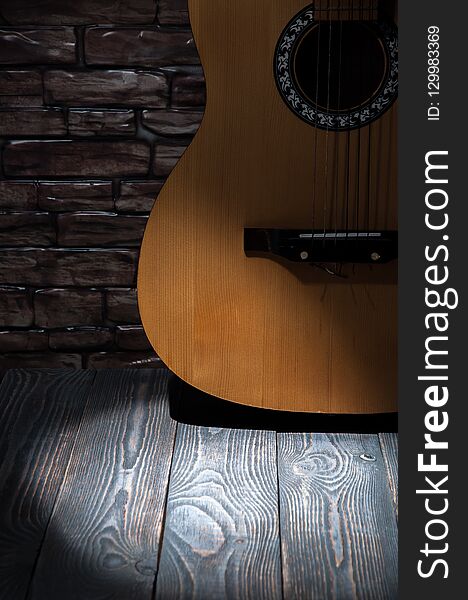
<point x="98" y="99"/>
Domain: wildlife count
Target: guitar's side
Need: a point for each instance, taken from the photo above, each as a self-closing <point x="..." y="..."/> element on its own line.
<point x="251" y="330"/>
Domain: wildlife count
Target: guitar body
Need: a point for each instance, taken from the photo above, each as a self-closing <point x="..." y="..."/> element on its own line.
<point x="261" y="332"/>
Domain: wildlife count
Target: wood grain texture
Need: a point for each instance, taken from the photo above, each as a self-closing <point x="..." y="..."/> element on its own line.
<point x="337" y="522"/>
<point x="251" y="330"/>
<point x="389" y="445"/>
<point x="221" y="533"/>
<point x="104" y="533"/>
<point x="84" y="474"/>
<point x="40" y="414"/>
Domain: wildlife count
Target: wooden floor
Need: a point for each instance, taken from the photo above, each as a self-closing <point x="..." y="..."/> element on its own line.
<point x="104" y="496"/>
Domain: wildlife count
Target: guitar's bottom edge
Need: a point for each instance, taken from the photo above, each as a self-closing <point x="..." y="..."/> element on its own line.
<point x="192" y="406"/>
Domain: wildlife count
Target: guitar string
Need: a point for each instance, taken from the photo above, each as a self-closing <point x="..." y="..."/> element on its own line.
<point x="360" y="143"/>
<point x="387" y="204"/>
<point x="327" y="112"/>
<point x="338" y="137"/>
<point x="374" y="130"/>
<point x="348" y="151"/>
<point x="327" y="136"/>
<point x="316" y="129"/>
<point x="338" y="267"/>
<point x="360" y="149"/>
<point x="359" y="134"/>
<point x="361" y="159"/>
<point x="358" y="188"/>
<point x="369" y="126"/>
<point x="349" y="223"/>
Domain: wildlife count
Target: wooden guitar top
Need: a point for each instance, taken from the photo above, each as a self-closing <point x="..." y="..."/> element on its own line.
<point x="252" y="330"/>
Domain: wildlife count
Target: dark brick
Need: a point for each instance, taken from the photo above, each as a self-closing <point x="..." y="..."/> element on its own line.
<point x="172" y="122"/>
<point x="137" y="196"/>
<point x="21" y="101"/>
<point x="23" y="341"/>
<point x="20" y="83"/>
<point x="70" y="196"/>
<point x="18" y="195"/>
<point x="118" y="360"/>
<point x="106" y="88"/>
<point x="131" y="337"/>
<point x="78" y="12"/>
<point x="62" y="267"/>
<point x="122" y="306"/>
<point x="75" y="159"/>
<point x="83" y="338"/>
<point x="173" y="12"/>
<point x="62" y="307"/>
<point x="165" y="159"/>
<point x="139" y="47"/>
<point x="26" y="229"/>
<point x="17" y="360"/>
<point x="20" y="89"/>
<point x="98" y="229"/>
<point x="101" y="122"/>
<point x="37" y="46"/>
<point x="188" y="89"/>
<point x="16" y="309"/>
<point x="32" y="122"/>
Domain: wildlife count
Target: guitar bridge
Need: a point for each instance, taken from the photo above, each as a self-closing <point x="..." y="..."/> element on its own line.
<point x="321" y="246"/>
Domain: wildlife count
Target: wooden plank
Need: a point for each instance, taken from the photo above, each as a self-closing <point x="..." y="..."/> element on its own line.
<point x="104" y="535"/>
<point x="338" y="528"/>
<point x="221" y="538"/>
<point x="40" y="414"/>
<point x="389" y="446"/>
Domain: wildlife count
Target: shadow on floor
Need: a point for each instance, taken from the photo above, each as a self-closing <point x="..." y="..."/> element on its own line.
<point x="190" y="405"/>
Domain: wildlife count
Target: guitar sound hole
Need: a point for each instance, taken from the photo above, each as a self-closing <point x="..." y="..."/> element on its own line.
<point x="339" y="65"/>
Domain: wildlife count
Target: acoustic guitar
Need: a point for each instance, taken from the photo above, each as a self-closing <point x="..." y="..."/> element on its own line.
<point x="268" y="267"/>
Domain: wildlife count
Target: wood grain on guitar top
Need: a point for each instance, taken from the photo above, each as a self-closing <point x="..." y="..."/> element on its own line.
<point x="251" y="330"/>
